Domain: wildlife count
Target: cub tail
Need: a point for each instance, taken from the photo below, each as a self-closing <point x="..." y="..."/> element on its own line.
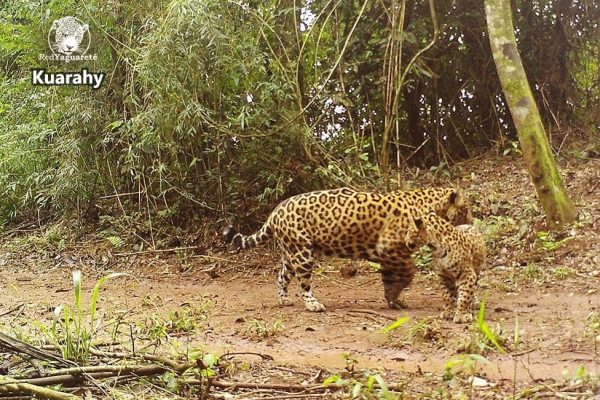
<point x="240" y="241"/>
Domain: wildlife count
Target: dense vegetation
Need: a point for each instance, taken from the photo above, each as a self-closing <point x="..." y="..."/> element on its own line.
<point x="213" y="107"/>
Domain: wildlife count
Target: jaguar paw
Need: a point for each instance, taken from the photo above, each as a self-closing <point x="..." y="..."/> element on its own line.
<point x="463" y="318"/>
<point x="286" y="301"/>
<point x="397" y="304"/>
<point x="315" y="306"/>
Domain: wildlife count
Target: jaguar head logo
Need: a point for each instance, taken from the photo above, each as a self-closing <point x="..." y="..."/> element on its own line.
<point x="68" y="36"/>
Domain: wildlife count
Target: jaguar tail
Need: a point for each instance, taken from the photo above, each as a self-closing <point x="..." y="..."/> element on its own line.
<point x="240" y="241"/>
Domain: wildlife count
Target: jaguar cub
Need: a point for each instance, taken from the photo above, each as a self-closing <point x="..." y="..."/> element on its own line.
<point x="459" y="253"/>
<point x="350" y="224"/>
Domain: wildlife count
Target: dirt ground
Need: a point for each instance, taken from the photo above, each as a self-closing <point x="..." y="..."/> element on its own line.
<point x="545" y="288"/>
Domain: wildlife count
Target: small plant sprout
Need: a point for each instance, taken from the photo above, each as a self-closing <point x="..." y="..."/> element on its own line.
<point x="483" y="338"/>
<point x="563" y="272"/>
<point x="593" y="329"/>
<point x="464" y="363"/>
<point x="513" y="149"/>
<point x="548" y="242"/>
<point x="261" y="329"/>
<point x="73" y="327"/>
<point x="484" y="329"/>
<point x="368" y="386"/>
<point x="517" y="340"/>
<point x="207" y="362"/>
<point x="115" y="241"/>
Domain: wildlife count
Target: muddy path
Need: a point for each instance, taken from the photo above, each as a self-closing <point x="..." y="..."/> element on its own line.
<point x="547" y="288"/>
<point x="243" y="316"/>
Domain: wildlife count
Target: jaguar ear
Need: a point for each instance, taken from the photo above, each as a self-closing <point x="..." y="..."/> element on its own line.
<point x="418" y="222"/>
<point x="453" y="196"/>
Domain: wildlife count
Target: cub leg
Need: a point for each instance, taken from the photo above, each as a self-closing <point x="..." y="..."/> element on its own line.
<point x="396" y="277"/>
<point x="464" y="306"/>
<point x="283" y="282"/>
<point x="449" y="295"/>
<point x="302" y="262"/>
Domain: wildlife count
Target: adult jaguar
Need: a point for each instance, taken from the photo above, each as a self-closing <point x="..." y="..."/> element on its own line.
<point x="351" y="224"/>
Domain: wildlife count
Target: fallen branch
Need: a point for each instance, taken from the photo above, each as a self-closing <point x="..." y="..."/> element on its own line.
<point x="27" y="351"/>
<point x="289" y="387"/>
<point x="175" y="365"/>
<point x="116" y="370"/>
<point x="81" y="376"/>
<point x="292" y="396"/>
<point x="12" y="310"/>
<point x="133" y="253"/>
<point x="371" y="312"/>
<point x="36" y="391"/>
<point x="251" y="353"/>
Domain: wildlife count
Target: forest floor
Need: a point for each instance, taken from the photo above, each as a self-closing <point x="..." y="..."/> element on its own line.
<point x="545" y="287"/>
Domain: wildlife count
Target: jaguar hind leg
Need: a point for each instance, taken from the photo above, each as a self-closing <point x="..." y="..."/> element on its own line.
<point x="464" y="305"/>
<point x="302" y="262"/>
<point x="283" y="282"/>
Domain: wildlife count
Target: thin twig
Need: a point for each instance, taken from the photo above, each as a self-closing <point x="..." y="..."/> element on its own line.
<point x="12" y="310"/>
<point x="382" y="315"/>
<point x="292" y="396"/>
<point x="263" y="356"/>
<point x="155" y="251"/>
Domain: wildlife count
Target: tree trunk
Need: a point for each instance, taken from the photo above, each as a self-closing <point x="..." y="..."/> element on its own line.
<point x="534" y="143"/>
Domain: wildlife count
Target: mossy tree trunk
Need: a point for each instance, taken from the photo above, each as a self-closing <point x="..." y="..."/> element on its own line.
<point x="536" y="149"/>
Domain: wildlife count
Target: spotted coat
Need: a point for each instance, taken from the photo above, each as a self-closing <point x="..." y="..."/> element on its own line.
<point x="460" y="253"/>
<point x="350" y="224"/>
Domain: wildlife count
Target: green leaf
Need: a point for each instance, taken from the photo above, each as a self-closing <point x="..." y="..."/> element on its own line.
<point x="96" y="293"/>
<point x="485" y="329"/>
<point x="210" y="360"/>
<point x="77" y="287"/>
<point x="331" y="379"/>
<point x="396" y="324"/>
<point x="356" y="389"/>
<point x="115" y="124"/>
<point x="479" y="358"/>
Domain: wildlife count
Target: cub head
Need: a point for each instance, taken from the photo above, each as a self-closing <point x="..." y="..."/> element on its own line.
<point x="416" y="235"/>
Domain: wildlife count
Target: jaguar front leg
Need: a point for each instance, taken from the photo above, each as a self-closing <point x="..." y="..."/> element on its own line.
<point x="396" y="277"/>
<point x="449" y="296"/>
